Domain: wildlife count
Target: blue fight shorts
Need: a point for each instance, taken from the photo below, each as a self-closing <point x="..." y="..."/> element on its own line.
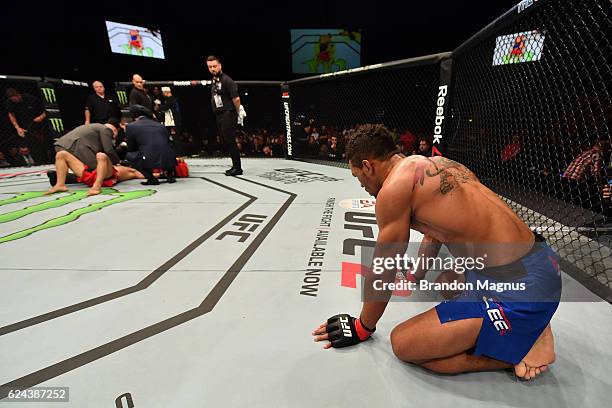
<point x="513" y="319"/>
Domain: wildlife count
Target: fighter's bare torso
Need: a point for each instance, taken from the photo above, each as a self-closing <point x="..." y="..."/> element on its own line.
<point x="449" y="204"/>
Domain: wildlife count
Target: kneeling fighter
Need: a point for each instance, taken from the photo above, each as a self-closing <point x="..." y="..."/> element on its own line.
<point x="481" y="329"/>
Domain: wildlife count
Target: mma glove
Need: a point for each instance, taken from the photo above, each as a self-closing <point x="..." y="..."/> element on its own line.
<point x="345" y="330"/>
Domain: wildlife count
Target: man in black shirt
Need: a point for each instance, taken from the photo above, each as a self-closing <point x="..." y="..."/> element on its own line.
<point x="138" y="96"/>
<point x="171" y="113"/>
<point x="99" y="108"/>
<point x="28" y="116"/>
<point x="225" y="104"/>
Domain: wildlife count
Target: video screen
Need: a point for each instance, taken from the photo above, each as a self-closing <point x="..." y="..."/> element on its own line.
<point x="133" y="40"/>
<point x="321" y="51"/>
<point x="520" y="47"/>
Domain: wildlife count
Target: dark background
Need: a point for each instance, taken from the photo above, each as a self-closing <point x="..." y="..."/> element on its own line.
<point x="69" y="41"/>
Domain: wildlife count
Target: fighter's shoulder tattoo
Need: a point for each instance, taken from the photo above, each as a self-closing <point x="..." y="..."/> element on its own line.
<point x="451" y="173"/>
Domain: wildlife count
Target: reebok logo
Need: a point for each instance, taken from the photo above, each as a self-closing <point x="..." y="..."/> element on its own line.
<point x="442" y="91"/>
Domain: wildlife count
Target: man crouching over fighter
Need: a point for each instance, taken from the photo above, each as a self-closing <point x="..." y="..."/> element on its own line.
<point x="88" y="151"/>
<point x="480" y="329"/>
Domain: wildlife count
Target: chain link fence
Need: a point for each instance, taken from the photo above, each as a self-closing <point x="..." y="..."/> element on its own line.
<point x="528" y="109"/>
<point x="531" y="116"/>
<point x="401" y="95"/>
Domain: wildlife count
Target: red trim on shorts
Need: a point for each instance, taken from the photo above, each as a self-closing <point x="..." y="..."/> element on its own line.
<point x="89" y="178"/>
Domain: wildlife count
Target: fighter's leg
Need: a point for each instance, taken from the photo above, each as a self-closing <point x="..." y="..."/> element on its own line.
<point x="463" y="363"/>
<point x="127" y="173"/>
<point x="104" y="170"/>
<point x="64" y="161"/>
<point x="423" y="340"/>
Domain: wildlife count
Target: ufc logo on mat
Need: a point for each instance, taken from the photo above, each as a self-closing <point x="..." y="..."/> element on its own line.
<point x="247" y="221"/>
<point x="346" y="329"/>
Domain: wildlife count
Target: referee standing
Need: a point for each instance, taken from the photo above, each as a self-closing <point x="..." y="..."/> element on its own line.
<point x="226" y="105"/>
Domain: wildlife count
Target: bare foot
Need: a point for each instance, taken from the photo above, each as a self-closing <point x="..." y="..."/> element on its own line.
<point x="94" y="191"/>
<point x="57" y="189"/>
<point x="539" y="357"/>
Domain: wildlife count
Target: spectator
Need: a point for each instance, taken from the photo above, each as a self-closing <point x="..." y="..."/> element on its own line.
<point x="99" y="107"/>
<point x="312" y="147"/>
<point x="24" y="152"/>
<point x="511" y="150"/>
<point x="138" y="96"/>
<point x="584" y="178"/>
<point x="315" y="134"/>
<point x="170" y="113"/>
<point x="424" y="147"/>
<point x="400" y="148"/>
<point x="407" y="140"/>
<point x="335" y="152"/>
<point x="323" y="151"/>
<point x="267" y="151"/>
<point x="157" y="98"/>
<point x="28" y="116"/>
<point x="589" y="163"/>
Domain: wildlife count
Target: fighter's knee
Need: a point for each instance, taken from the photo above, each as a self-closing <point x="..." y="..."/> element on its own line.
<point x="101" y="156"/>
<point x="402" y="343"/>
<point x="61" y="154"/>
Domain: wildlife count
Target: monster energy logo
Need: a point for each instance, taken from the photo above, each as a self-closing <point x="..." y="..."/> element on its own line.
<point x="49" y="94"/>
<point x="122" y="95"/>
<point x="57" y="124"/>
<point x="71" y="197"/>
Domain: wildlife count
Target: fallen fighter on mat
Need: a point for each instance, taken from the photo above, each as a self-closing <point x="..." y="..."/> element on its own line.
<point x="477" y="330"/>
<point x="104" y="175"/>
